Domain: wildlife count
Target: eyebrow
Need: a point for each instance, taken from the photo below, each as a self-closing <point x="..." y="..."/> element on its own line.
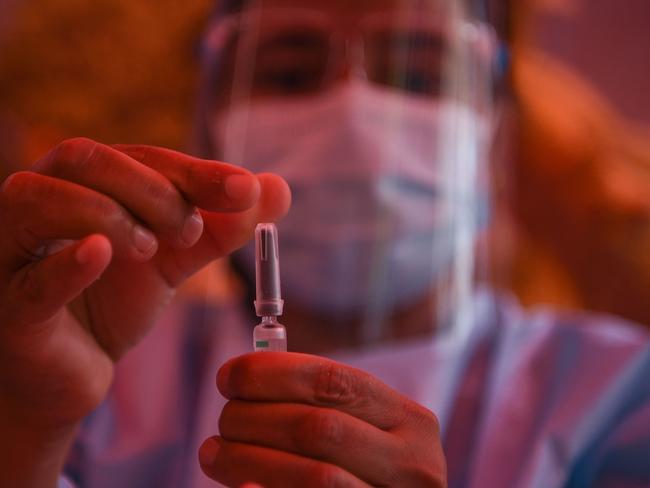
<point x="297" y="38"/>
<point x="419" y="39"/>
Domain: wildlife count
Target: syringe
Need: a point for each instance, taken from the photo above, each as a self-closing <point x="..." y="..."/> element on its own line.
<point x="269" y="335"/>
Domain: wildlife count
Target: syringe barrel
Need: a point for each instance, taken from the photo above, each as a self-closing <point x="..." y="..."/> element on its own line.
<point x="268" y="302"/>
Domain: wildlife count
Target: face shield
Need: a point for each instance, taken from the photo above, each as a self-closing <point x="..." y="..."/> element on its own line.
<point x="378" y="116"/>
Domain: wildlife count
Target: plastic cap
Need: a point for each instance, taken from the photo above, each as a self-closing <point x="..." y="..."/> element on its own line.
<point x="268" y="301"/>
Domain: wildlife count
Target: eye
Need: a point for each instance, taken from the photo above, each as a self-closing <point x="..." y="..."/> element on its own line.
<point x="422" y="82"/>
<point x="412" y="79"/>
<point x="288" y="78"/>
<point x="291" y="63"/>
<point x="408" y="61"/>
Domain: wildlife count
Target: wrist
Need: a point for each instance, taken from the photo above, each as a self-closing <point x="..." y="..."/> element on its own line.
<point x="32" y="455"/>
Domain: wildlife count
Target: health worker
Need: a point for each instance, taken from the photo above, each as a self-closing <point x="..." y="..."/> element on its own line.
<point x="408" y="369"/>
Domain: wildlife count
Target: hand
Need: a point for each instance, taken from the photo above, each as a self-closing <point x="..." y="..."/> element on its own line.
<point x="126" y="225"/>
<point x="299" y="420"/>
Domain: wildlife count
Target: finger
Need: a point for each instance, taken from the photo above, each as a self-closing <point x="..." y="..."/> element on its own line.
<point x="301" y="378"/>
<point x="37" y="297"/>
<point x="146" y="193"/>
<point x="233" y="463"/>
<point x="210" y="185"/>
<point x="227" y="232"/>
<point x="320" y="433"/>
<point x="37" y="208"/>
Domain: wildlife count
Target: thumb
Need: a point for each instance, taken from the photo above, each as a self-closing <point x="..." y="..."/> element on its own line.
<point x="40" y="290"/>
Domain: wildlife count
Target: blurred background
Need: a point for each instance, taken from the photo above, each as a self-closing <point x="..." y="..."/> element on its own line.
<point x="574" y="230"/>
<point x="581" y="187"/>
<point x="113" y="70"/>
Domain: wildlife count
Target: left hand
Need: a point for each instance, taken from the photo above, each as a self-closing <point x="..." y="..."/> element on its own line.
<point x="300" y="420"/>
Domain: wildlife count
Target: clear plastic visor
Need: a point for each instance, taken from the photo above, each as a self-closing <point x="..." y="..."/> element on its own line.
<point x="379" y="120"/>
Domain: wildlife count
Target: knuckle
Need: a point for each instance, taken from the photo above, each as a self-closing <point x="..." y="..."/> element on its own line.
<point x="334" y="384"/>
<point x="138" y="152"/>
<point x="19" y="195"/>
<point x="327" y="476"/>
<point x="112" y="218"/>
<point x="163" y="192"/>
<point x="111" y="211"/>
<point x="320" y="432"/>
<point x="225" y="419"/>
<point x="16" y="184"/>
<point x="75" y="150"/>
<point x="426" y="419"/>
<point x="242" y="373"/>
<point x="168" y="200"/>
<point x="76" y="146"/>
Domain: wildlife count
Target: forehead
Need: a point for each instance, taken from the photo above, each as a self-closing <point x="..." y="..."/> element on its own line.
<point x="356" y="8"/>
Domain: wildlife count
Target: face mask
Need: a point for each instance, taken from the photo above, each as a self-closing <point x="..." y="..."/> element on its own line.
<point x="372" y="207"/>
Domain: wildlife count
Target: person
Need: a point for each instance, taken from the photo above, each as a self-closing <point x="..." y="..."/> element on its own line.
<point x="520" y="399"/>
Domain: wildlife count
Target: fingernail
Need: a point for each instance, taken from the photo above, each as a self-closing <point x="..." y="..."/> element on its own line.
<point x="240" y="187"/>
<point x="208" y="452"/>
<point x="143" y="240"/>
<point x="192" y="229"/>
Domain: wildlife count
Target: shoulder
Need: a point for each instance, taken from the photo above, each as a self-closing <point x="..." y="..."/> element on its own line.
<point x="579" y="334"/>
<point x="573" y="355"/>
<point x="573" y="392"/>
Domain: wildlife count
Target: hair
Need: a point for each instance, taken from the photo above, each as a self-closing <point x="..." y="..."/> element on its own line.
<point x="225" y="7"/>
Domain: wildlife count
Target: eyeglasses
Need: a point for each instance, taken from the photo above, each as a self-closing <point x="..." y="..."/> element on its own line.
<point x="293" y="52"/>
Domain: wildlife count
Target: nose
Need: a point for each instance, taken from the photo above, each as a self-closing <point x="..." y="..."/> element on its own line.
<point x="352" y="61"/>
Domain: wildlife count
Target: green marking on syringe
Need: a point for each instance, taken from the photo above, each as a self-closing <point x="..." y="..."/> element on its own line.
<point x="262" y="344"/>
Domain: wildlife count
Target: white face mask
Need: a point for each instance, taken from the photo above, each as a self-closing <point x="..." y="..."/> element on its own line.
<point x="371" y="214"/>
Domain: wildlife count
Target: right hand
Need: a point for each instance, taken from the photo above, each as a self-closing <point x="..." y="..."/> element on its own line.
<point x="125" y="213"/>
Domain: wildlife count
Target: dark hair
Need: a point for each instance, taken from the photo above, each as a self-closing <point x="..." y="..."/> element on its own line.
<point x="225" y="7"/>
